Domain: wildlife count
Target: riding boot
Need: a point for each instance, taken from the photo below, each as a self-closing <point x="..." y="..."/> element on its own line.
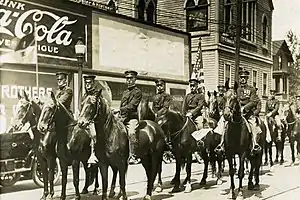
<point x="93" y="159"/>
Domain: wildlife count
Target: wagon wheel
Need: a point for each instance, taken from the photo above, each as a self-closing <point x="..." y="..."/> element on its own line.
<point x="37" y="174"/>
<point x="9" y="179"/>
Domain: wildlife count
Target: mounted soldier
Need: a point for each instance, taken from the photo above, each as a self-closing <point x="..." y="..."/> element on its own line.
<point x="272" y="114"/>
<point x="91" y="89"/>
<point x="257" y="109"/>
<point x="64" y="94"/>
<point x="128" y="112"/>
<point x="193" y="104"/>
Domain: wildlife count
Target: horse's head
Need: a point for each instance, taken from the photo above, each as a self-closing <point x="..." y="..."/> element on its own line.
<point x="213" y="105"/>
<point x="78" y="138"/>
<point x="169" y="120"/>
<point x="257" y="142"/>
<point x="90" y="109"/>
<point x="232" y="106"/>
<point x="25" y="112"/>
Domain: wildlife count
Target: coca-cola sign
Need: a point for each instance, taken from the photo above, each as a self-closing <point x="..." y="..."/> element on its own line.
<point x="56" y="30"/>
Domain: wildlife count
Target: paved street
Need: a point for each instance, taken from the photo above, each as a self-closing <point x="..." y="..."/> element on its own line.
<point x="282" y="182"/>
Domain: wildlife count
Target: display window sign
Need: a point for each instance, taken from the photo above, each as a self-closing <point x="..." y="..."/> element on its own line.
<point x="13" y="82"/>
<point x="57" y="31"/>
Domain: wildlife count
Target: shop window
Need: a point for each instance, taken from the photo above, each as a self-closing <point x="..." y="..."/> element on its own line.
<point x="227" y="15"/>
<point x="146" y="10"/>
<point x="265" y="80"/>
<point x="254" y="78"/>
<point x="112" y="5"/>
<point x="197" y="15"/>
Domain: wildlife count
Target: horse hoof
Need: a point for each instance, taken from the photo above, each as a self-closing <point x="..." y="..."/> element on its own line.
<point x="77" y="198"/>
<point x="256" y="188"/>
<point x="250" y="186"/>
<point x="188" y="188"/>
<point x="44" y="197"/>
<point x="175" y="190"/>
<point x="84" y="191"/>
<point x="62" y="198"/>
<point x="231" y="196"/>
<point x="173" y="181"/>
<point x="147" y="197"/>
<point x="276" y="161"/>
<point x="95" y="192"/>
<point x="203" y="182"/>
<point x="111" y="194"/>
<point x="281" y="162"/>
<point x="158" y="189"/>
<point x="219" y="182"/>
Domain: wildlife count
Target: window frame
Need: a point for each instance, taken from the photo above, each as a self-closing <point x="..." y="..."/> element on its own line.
<point x="264" y="91"/>
<point x="146" y="3"/>
<point x="256" y="73"/>
<point x="197" y="8"/>
<point x="230" y="73"/>
<point x="227" y="25"/>
<point x="245" y="20"/>
<point x="264" y="30"/>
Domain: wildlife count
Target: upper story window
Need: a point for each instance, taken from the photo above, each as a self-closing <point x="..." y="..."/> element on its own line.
<point x="146" y="10"/>
<point x="227" y="15"/>
<point x="279" y="63"/>
<point x="227" y="73"/>
<point x="112" y="4"/>
<point x="197" y="15"/>
<point x="254" y="78"/>
<point x="265" y="30"/>
<point x="248" y="20"/>
<point x="265" y="79"/>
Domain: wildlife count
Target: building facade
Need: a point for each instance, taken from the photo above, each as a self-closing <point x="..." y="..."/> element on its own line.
<point x="282" y="59"/>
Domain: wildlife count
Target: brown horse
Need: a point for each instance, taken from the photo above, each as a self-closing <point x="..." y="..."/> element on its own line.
<point x="112" y="148"/>
<point x="179" y="128"/>
<point x="55" y="121"/>
<point x="293" y="129"/>
<point x="237" y="138"/>
<point x="29" y="111"/>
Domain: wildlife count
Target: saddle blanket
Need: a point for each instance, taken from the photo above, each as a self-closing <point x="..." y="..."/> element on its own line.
<point x="198" y="135"/>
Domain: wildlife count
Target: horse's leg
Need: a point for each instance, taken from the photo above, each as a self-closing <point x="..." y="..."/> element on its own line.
<point x="270" y="154"/>
<point x="292" y="144"/>
<point x="266" y="153"/>
<point x="256" y="172"/>
<point x="87" y="181"/>
<point x="122" y="180"/>
<point x="250" y="177"/>
<point x="204" y="176"/>
<point x="159" y="182"/>
<point x="75" y="168"/>
<point x="241" y="173"/>
<point x="64" y="170"/>
<point x="104" y="176"/>
<point x="231" y="173"/>
<point x="52" y="164"/>
<point x="188" y="168"/>
<point x="176" y="187"/>
<point x="156" y="159"/>
<point x="43" y="164"/>
<point x="96" y="181"/>
<point x="219" y="173"/>
<point x="277" y="146"/>
<point x="113" y="182"/>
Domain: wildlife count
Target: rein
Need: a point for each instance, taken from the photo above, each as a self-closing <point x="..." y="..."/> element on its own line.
<point x="175" y="135"/>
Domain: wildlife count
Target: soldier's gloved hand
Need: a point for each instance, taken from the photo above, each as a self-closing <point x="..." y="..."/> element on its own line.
<point x="189" y="115"/>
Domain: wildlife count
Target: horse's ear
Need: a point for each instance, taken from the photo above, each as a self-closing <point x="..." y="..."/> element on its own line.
<point x="236" y="85"/>
<point x="215" y="93"/>
<point x="208" y="93"/>
<point x="19" y="96"/>
<point x="52" y="96"/>
<point x="227" y="85"/>
<point x="25" y="96"/>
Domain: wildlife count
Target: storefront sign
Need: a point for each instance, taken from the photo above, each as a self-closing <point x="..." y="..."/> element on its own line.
<point x="57" y="31"/>
<point x="94" y="4"/>
<point x="12" y="82"/>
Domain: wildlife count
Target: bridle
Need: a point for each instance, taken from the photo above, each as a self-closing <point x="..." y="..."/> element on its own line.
<point x="22" y="120"/>
<point x="51" y="121"/>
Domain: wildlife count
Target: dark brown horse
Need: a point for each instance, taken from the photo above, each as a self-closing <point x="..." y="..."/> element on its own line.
<point x="55" y="121"/>
<point x="112" y="148"/>
<point x="255" y="157"/>
<point x="293" y="129"/>
<point x="180" y="128"/>
<point x="237" y="138"/>
<point x="278" y="135"/>
<point x="29" y="111"/>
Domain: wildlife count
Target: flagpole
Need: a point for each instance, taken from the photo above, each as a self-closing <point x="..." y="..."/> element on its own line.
<point x="36" y="56"/>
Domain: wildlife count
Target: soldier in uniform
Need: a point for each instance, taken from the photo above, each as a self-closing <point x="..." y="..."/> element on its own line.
<point x="162" y="100"/>
<point x="193" y="103"/>
<point x="257" y="109"/>
<point x="221" y="99"/>
<point x="64" y="93"/>
<point x="91" y="89"/>
<point x="272" y="107"/>
<point x="128" y="112"/>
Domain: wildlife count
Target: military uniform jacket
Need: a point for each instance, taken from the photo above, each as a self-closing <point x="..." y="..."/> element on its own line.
<point x="161" y="101"/>
<point x="247" y="97"/>
<point x="193" y="103"/>
<point x="65" y="96"/>
<point x="272" y="106"/>
<point x="221" y="102"/>
<point x="257" y="108"/>
<point x="87" y="93"/>
<point x="130" y="102"/>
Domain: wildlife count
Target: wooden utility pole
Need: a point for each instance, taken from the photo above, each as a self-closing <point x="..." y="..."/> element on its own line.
<point x="238" y="38"/>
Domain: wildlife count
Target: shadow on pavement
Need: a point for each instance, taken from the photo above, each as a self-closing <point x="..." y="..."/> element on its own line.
<point x="156" y="197"/>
